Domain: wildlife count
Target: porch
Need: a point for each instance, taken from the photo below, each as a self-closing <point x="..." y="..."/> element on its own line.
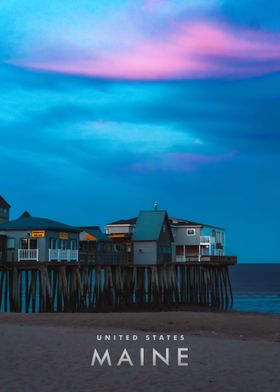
<point x="54" y="255"/>
<point x="205" y="246"/>
<point x="28" y="254"/>
<point x="63" y="255"/>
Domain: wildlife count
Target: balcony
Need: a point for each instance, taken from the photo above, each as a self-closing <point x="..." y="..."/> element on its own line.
<point x="206" y="240"/>
<point x="28" y="254"/>
<point x="63" y="255"/>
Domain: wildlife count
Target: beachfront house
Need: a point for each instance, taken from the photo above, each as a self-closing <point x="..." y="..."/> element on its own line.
<point x="152" y="238"/>
<point x="30" y="238"/>
<point x="96" y="247"/>
<point x="122" y="229"/>
<point x="121" y="232"/>
<point x="196" y="241"/>
<point x="192" y="241"/>
<point x="4" y="210"/>
<point x="146" y="239"/>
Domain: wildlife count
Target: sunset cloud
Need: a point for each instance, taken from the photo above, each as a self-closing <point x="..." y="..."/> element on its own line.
<point x="179" y="162"/>
<point x="197" y="49"/>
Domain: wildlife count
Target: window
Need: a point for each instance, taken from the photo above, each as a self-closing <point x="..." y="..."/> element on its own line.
<point x="24" y="243"/>
<point x="220" y="236"/>
<point x="53" y="243"/>
<point x="190" y="231"/>
<point x="164" y="228"/>
<point x="11" y="243"/>
<point x="63" y="244"/>
<point x="73" y="244"/>
<point x="179" y="250"/>
<point x="164" y="249"/>
<point x="4" y="212"/>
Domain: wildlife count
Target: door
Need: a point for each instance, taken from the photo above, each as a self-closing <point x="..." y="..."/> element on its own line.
<point x="29" y="243"/>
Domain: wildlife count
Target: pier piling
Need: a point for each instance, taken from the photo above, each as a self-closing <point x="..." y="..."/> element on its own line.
<point x="85" y="287"/>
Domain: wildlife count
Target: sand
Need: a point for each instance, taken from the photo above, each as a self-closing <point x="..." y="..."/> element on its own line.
<point x="53" y="352"/>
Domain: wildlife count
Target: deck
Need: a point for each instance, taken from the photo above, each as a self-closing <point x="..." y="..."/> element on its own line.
<point x="204" y="261"/>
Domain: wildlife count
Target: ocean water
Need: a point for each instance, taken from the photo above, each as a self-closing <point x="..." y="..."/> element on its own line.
<point x="256" y="288"/>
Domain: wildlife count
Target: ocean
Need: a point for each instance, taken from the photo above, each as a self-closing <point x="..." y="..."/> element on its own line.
<point x="256" y="288"/>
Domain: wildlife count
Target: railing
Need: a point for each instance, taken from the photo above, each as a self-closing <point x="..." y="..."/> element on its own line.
<point x="28" y="254"/>
<point x="207" y="239"/>
<point x="181" y="259"/>
<point x="216" y="259"/>
<point x="63" y="255"/>
<point x="184" y="259"/>
<point x="103" y="257"/>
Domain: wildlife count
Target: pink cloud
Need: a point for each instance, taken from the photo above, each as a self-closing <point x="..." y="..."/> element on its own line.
<point x="179" y="162"/>
<point x="152" y="3"/>
<point x="192" y="50"/>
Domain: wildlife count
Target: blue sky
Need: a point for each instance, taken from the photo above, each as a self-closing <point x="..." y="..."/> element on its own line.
<point x="109" y="106"/>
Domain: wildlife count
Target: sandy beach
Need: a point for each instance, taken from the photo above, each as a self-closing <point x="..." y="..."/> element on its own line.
<point x="53" y="352"/>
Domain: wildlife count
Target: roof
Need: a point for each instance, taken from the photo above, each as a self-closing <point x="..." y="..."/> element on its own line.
<point x="3" y="203"/>
<point x="32" y="223"/>
<point x="96" y="233"/>
<point x="149" y="225"/>
<point x="24" y="215"/>
<point x="179" y="222"/>
<point x="184" y="222"/>
<point x="131" y="221"/>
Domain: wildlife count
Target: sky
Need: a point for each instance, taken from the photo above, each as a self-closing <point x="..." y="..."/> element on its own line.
<point x="108" y="106"/>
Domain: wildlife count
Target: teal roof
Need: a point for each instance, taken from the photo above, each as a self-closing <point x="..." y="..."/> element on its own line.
<point x="148" y="226"/>
<point x="32" y="223"/>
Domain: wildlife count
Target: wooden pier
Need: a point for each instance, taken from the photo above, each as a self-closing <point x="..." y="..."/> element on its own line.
<point x="80" y="287"/>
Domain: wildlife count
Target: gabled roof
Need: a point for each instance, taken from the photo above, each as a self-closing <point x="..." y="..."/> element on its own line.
<point x="149" y="225"/>
<point x="33" y="223"/>
<point x="25" y="214"/>
<point x="131" y="221"/>
<point x="3" y="203"/>
<point x="184" y="222"/>
<point x="96" y="233"/>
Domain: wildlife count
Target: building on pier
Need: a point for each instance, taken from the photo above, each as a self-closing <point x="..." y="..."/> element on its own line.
<point x="192" y="241"/>
<point x="30" y="238"/>
<point x="97" y="247"/>
<point x="121" y="232"/>
<point x="147" y="238"/>
<point x="152" y="238"/>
